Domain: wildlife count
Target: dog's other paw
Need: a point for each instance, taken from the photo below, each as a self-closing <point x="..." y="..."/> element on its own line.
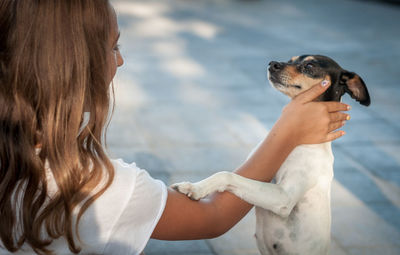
<point x="191" y="190"/>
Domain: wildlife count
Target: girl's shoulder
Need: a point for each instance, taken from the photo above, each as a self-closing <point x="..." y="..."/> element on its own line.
<point x="124" y="171"/>
<point x="131" y="173"/>
<point x="126" y="214"/>
<point x="120" y="163"/>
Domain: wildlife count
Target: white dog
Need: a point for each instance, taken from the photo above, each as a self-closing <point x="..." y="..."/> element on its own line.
<point x="293" y="214"/>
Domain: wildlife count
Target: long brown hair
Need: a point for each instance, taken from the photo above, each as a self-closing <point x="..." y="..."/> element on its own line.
<point x="53" y="68"/>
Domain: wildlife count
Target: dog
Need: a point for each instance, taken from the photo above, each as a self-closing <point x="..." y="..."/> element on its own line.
<point x="293" y="214"/>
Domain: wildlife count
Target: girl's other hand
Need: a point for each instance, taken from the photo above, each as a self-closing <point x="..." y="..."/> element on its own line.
<point x="308" y="122"/>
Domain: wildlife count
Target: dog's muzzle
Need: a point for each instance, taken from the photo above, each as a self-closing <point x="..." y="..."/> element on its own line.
<point x="275" y="66"/>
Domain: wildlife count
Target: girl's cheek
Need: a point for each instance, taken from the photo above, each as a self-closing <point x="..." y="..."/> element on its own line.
<point x="119" y="60"/>
<point x="112" y="61"/>
<point x="116" y="58"/>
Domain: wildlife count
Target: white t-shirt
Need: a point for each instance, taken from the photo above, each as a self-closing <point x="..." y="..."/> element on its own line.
<point x="121" y="220"/>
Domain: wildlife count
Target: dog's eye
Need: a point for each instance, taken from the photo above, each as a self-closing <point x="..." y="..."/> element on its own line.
<point x="309" y="65"/>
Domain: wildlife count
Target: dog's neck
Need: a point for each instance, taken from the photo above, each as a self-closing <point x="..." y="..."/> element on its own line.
<point x="323" y="146"/>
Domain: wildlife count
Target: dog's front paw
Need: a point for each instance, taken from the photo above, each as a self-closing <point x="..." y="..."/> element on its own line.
<point x="192" y="190"/>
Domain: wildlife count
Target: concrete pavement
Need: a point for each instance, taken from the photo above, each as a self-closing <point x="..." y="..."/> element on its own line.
<point x="192" y="99"/>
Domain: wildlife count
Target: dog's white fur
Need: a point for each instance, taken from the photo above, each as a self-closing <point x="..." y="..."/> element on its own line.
<point x="293" y="214"/>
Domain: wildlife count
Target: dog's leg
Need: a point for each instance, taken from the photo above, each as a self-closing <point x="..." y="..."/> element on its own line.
<point x="216" y="182"/>
<point x="278" y="198"/>
<point x="203" y="188"/>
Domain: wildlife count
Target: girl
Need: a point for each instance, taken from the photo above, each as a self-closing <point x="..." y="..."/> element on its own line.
<point x="59" y="191"/>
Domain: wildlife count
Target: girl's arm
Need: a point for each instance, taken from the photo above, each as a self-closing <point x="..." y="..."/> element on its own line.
<point x="302" y="122"/>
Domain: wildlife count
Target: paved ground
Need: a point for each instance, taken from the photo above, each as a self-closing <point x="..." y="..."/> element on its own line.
<point x="192" y="99"/>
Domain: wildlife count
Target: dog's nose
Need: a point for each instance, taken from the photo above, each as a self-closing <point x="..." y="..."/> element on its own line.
<point x="275" y="66"/>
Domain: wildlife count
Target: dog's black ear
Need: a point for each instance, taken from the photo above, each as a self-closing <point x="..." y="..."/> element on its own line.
<point x="355" y="86"/>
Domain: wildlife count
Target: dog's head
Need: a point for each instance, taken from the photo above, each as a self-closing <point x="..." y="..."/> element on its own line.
<point x="300" y="73"/>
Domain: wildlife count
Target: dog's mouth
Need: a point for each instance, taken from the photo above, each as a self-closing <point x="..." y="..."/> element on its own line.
<point x="273" y="79"/>
<point x="278" y="83"/>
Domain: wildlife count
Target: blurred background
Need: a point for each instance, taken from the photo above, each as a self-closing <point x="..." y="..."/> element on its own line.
<point x="192" y="99"/>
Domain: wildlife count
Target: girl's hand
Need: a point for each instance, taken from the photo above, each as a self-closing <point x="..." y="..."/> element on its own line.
<point x="309" y="122"/>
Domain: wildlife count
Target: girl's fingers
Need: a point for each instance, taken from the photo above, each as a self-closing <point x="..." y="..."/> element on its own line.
<point x="336" y="106"/>
<point x="335" y="125"/>
<point x="339" y="116"/>
<point x="314" y="92"/>
<point x="335" y="135"/>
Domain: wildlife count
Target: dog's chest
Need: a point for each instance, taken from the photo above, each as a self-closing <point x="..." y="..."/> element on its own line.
<point x="311" y="161"/>
<point x="307" y="229"/>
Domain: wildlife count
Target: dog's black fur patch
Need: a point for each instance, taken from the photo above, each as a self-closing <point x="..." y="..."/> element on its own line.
<point x="343" y="81"/>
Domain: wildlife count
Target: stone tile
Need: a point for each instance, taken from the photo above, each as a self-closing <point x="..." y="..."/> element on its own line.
<point x="354" y="224"/>
<point x="335" y="249"/>
<point x="359" y="112"/>
<point x="341" y="159"/>
<point x="157" y="247"/>
<point x="379" y="191"/>
<point x="238" y="240"/>
<point x="204" y="159"/>
<point x="246" y="128"/>
<point x="372" y="194"/>
<point x="375" y="159"/>
<point x="359" y="184"/>
<point x="369" y="132"/>
<point x="373" y="250"/>
<point x="392" y="150"/>
<point x="157" y="166"/>
<point x="125" y="133"/>
<point x="267" y="113"/>
<point x="182" y="133"/>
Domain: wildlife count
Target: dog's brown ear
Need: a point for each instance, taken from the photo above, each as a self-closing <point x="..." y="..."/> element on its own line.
<point x="355" y="86"/>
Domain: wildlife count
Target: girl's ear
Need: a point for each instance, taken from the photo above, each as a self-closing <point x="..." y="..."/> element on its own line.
<point x="355" y="86"/>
